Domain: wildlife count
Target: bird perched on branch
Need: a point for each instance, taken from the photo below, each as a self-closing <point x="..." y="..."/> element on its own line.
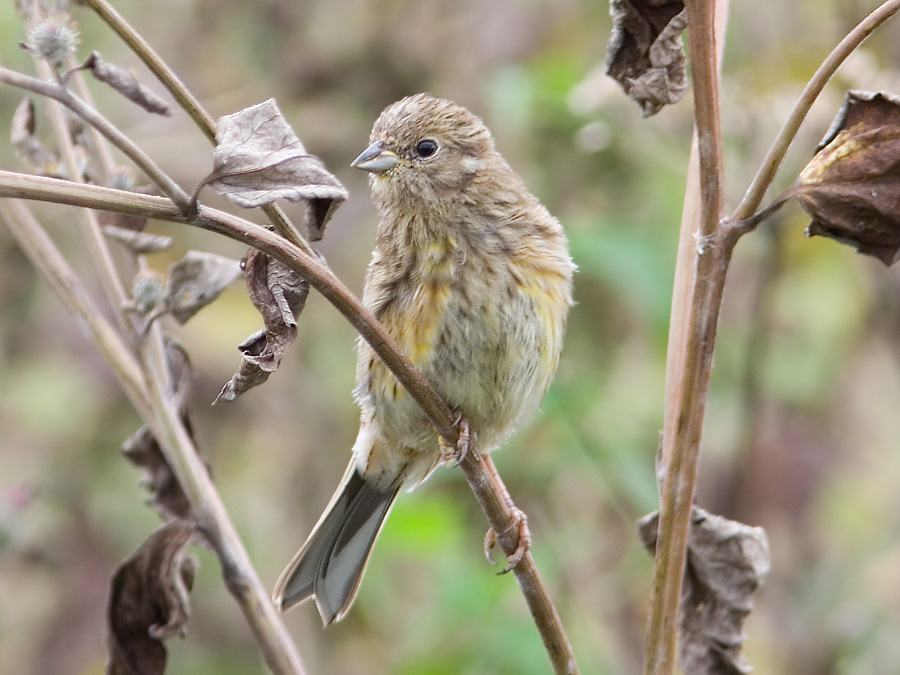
<point x="472" y="277"/>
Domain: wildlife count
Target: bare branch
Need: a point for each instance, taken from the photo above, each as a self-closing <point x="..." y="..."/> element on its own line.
<point x="188" y="102"/>
<point x="59" y="93"/>
<point x="773" y="159"/>
<point x="479" y="471"/>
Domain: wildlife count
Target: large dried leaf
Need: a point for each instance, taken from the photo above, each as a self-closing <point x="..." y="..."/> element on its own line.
<point x="149" y="601"/>
<point x="258" y="159"/>
<point x="851" y="188"/>
<point x="279" y="294"/>
<point x="645" y="55"/>
<point x="143" y="450"/>
<point x="727" y="561"/>
<point x="197" y="280"/>
<point x="126" y="83"/>
<point x="29" y="149"/>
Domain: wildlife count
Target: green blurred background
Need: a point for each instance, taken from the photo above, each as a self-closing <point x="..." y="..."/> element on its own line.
<point x="803" y="416"/>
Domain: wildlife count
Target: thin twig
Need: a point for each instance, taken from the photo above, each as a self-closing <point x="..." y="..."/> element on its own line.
<point x="153" y="403"/>
<point x="142" y="49"/>
<point x="186" y="100"/>
<point x="700" y="279"/>
<point x="59" y="93"/>
<point x="489" y="489"/>
<point x="99" y="252"/>
<point x="479" y="471"/>
<point x="212" y="517"/>
<point x="773" y="159"/>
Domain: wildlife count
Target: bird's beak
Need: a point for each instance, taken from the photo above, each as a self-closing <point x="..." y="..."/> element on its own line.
<point x="376" y="159"/>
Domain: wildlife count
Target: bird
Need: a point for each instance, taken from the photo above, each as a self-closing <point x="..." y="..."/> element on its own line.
<point x="472" y="277"/>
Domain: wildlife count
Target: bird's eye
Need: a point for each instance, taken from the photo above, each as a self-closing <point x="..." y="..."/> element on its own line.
<point x="426" y="148"/>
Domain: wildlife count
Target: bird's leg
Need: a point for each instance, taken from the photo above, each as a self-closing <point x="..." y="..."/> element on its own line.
<point x="519" y="521"/>
<point x="457" y="453"/>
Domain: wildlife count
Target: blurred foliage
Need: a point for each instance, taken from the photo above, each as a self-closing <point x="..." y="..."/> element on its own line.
<point x="802" y="420"/>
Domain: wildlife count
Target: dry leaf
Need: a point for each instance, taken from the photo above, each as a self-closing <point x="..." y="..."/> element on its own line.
<point x="727" y="561"/>
<point x="279" y="294"/>
<point x="258" y="159"/>
<point x="197" y="280"/>
<point x="124" y="81"/>
<point x="29" y="149"/>
<point x="851" y="188"/>
<point x="142" y="449"/>
<point x="149" y="601"/>
<point x="645" y="55"/>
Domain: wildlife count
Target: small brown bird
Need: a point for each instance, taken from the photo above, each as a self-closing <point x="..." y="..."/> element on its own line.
<point x="472" y="276"/>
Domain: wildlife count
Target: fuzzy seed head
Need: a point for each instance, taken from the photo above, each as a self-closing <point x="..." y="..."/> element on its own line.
<point x="53" y="39"/>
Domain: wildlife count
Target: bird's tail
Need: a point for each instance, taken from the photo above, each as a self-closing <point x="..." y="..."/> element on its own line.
<point x="330" y="565"/>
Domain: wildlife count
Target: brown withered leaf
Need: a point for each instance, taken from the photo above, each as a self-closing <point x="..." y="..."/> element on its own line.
<point x="126" y="83"/>
<point x="727" y="562"/>
<point x="259" y="159"/>
<point x="148" y="601"/>
<point x="29" y="149"/>
<point x="197" y="280"/>
<point x="645" y="55"/>
<point x="142" y="448"/>
<point x="279" y="294"/>
<point x="851" y="188"/>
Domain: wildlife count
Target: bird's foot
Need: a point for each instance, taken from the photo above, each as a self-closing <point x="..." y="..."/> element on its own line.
<point x="520" y="522"/>
<point x="457" y="453"/>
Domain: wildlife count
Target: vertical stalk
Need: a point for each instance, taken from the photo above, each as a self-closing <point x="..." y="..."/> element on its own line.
<point x="702" y="264"/>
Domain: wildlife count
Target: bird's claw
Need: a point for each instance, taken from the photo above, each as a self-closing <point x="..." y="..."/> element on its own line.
<point x="457" y="453"/>
<point x="520" y="522"/>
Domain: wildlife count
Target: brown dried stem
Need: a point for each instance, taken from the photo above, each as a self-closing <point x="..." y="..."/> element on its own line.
<point x="59" y="93"/>
<point x="773" y="159"/>
<point x="186" y="100"/>
<point x="701" y="267"/>
<point x="703" y="259"/>
<point x="277" y="647"/>
<point x="479" y="470"/>
<point x="147" y="389"/>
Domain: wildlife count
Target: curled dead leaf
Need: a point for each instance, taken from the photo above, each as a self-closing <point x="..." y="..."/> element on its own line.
<point x="142" y="449"/>
<point x="259" y="159"/>
<point x="280" y="295"/>
<point x="727" y="562"/>
<point x="149" y="600"/>
<point x="645" y="55"/>
<point x="126" y="83"/>
<point x="851" y="187"/>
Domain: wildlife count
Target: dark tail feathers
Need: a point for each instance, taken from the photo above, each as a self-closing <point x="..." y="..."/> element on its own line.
<point x="331" y="563"/>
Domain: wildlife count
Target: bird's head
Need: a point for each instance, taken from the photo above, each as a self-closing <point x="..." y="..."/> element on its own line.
<point x="426" y="150"/>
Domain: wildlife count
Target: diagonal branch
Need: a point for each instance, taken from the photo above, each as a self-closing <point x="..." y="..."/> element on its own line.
<point x="59" y="93"/>
<point x="479" y="470"/>
<point x="186" y="99"/>
<point x="773" y="159"/>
